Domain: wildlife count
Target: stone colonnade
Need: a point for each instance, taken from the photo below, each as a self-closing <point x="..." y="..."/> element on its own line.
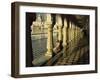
<point x="68" y="32"/>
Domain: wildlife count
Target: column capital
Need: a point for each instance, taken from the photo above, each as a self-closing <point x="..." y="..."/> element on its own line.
<point x="48" y="23"/>
<point x="59" y="20"/>
<point x="48" y="20"/>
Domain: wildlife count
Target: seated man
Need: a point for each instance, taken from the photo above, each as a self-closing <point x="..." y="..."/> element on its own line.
<point x="58" y="47"/>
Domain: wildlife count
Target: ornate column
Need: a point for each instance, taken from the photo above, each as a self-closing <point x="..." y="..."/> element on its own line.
<point x="78" y="31"/>
<point x="59" y="24"/>
<point x="37" y="23"/>
<point x="70" y="31"/>
<point x="69" y="35"/>
<point x="72" y="36"/>
<point x="76" y="34"/>
<point x="48" y="23"/>
<point x="82" y="33"/>
<point x="65" y="38"/>
<point x="73" y="27"/>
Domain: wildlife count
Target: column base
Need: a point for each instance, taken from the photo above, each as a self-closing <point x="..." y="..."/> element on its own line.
<point x="48" y="54"/>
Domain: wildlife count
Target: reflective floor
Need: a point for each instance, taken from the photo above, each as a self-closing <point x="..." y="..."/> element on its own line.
<point x="75" y="53"/>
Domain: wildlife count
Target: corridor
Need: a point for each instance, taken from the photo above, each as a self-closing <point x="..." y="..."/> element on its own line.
<point x="60" y="39"/>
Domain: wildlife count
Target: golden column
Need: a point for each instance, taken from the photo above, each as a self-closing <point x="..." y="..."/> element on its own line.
<point x="65" y="38"/>
<point x="78" y="31"/>
<point x="70" y="26"/>
<point x="76" y="34"/>
<point x="73" y="27"/>
<point x="72" y="36"/>
<point x="82" y="33"/>
<point x="59" y="24"/>
<point x="48" y="23"/>
<point x="69" y="35"/>
<point x="74" y="43"/>
<point x="37" y="23"/>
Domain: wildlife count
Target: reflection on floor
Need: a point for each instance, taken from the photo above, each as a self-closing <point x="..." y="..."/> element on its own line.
<point x="79" y="55"/>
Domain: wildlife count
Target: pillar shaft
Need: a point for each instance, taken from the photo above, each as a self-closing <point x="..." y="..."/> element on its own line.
<point x="70" y="36"/>
<point x="76" y="35"/>
<point x="59" y="24"/>
<point x="60" y="34"/>
<point x="50" y="36"/>
<point x="69" y="31"/>
<point x="65" y="38"/>
<point x="65" y="32"/>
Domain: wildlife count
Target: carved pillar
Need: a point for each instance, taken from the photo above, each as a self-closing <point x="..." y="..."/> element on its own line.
<point x="65" y="37"/>
<point x="48" y="23"/>
<point x="73" y="27"/>
<point x="78" y="31"/>
<point x="70" y="36"/>
<point x="65" y="32"/>
<point x="59" y="24"/>
<point x="76" y="35"/>
<point x="82" y="33"/>
<point x="70" y="31"/>
<point x="37" y="23"/>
